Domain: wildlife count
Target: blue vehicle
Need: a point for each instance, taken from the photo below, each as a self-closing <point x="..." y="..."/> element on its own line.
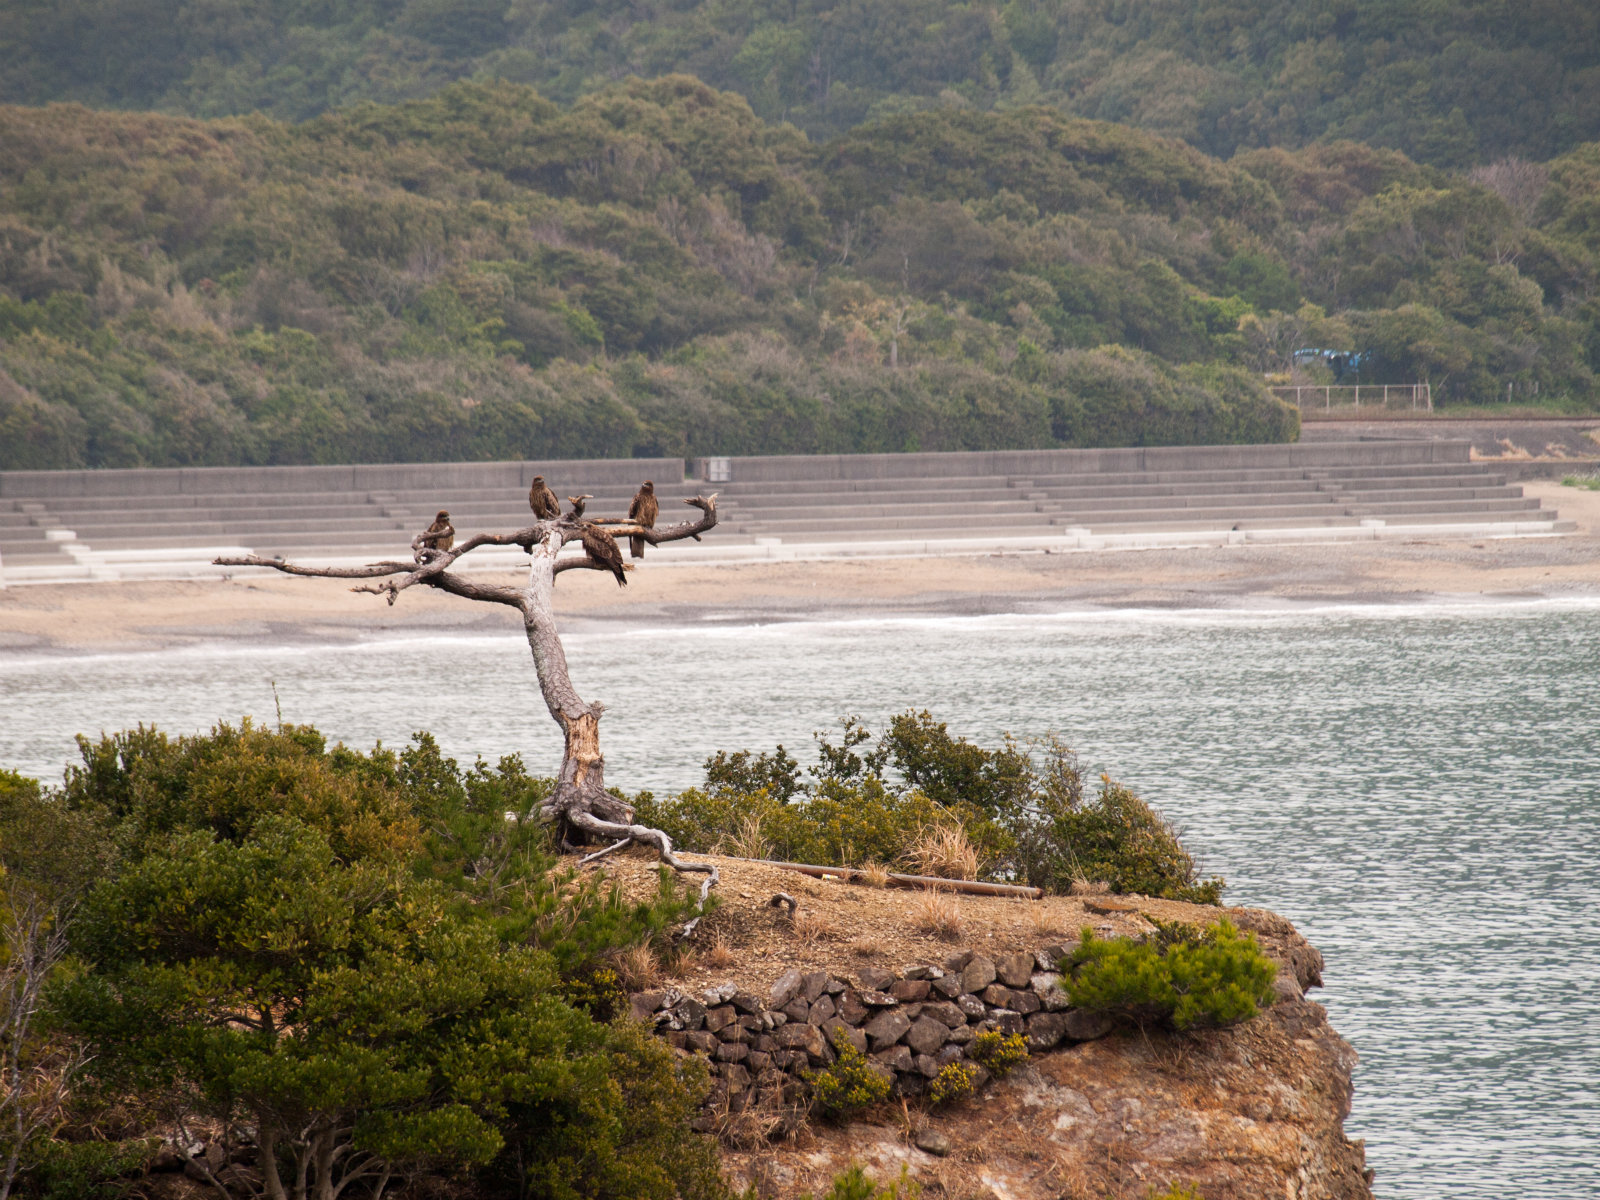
<point x="1341" y="362"/>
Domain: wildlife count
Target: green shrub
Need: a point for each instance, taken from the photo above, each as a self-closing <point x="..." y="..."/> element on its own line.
<point x="1116" y="838"/>
<point x="954" y="1081"/>
<point x="1021" y="806"/>
<point x="855" y="1185"/>
<point x="1182" y="978"/>
<point x="401" y="964"/>
<point x="850" y="1084"/>
<point x="1175" y="1191"/>
<point x="999" y="1052"/>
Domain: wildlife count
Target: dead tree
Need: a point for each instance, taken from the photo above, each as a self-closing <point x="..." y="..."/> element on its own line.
<point x="581" y="810"/>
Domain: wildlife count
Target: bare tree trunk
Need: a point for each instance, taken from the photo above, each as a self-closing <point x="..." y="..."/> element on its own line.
<point x="580" y="808"/>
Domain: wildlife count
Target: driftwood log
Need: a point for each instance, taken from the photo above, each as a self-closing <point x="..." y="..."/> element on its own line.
<point x="581" y="810"/>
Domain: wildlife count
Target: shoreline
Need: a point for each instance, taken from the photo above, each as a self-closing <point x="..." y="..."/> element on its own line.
<point x="269" y="609"/>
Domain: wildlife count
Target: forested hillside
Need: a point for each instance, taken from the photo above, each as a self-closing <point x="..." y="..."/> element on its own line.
<point x="655" y="270"/>
<point x="1453" y="84"/>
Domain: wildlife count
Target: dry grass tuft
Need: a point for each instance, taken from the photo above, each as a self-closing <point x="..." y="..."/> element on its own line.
<point x="1090" y="887"/>
<point x="638" y="967"/>
<point x="943" y="851"/>
<point x="747" y="842"/>
<point x="868" y="948"/>
<point x="939" y="913"/>
<point x="765" y="1118"/>
<point x="875" y="875"/>
<point x="1045" y="920"/>
<point x="811" y="927"/>
<point x="718" y="954"/>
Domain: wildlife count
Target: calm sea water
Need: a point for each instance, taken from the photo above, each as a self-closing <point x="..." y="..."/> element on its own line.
<point x="1417" y="788"/>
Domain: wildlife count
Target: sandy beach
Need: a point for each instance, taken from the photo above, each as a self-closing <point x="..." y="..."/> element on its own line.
<point x="260" y="607"/>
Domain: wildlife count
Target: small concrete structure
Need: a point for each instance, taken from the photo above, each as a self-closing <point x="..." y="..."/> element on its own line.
<point x="64" y="525"/>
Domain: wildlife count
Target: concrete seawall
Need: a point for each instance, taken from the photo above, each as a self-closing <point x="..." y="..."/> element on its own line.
<point x="120" y="524"/>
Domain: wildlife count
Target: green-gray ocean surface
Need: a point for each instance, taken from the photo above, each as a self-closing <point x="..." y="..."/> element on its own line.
<point x="1418" y="788"/>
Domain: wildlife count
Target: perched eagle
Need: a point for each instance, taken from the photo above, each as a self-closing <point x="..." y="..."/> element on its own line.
<point x="602" y="547"/>
<point x="439" y="535"/>
<point x="542" y="500"/>
<point x="643" y="510"/>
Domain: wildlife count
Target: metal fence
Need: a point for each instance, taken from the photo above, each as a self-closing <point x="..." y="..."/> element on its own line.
<point x="1418" y="397"/>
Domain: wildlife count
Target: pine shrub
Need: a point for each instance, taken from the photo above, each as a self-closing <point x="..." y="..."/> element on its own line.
<point x="1182" y="978"/>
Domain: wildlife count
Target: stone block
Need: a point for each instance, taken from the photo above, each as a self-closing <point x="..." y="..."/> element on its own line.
<point x="757" y="1061"/>
<point x="978" y="974"/>
<point x="997" y="995"/>
<point x="877" y="999"/>
<point x="678" y="1039"/>
<point x="958" y="961"/>
<point x="906" y="990"/>
<point x="1025" y="1002"/>
<point x="691" y="1014"/>
<point x="948" y="986"/>
<point x="923" y="972"/>
<point x="785" y="988"/>
<point x="962" y="1034"/>
<point x="746" y="1002"/>
<point x="1286" y="987"/>
<point x="835" y="986"/>
<point x="822" y="1010"/>
<point x="813" y="984"/>
<point x="896" y="1058"/>
<point x="800" y="1036"/>
<point x="948" y="1054"/>
<point x="733" y="1033"/>
<point x="1014" y="970"/>
<point x="874" y="979"/>
<point x="849" y="1008"/>
<point x="732" y="1052"/>
<point x="972" y="1006"/>
<point x="797" y="1009"/>
<point x="1085" y="1026"/>
<point x="1045" y="1030"/>
<point x="765" y="1043"/>
<point x="912" y="1011"/>
<point x="752" y="1023"/>
<point x="702" y="1040"/>
<point x="925" y="1065"/>
<point x="737" y="1077"/>
<point x="720" y="1017"/>
<point x="931" y="1141"/>
<point x="642" y="1006"/>
<point x="1009" y="1023"/>
<point x="886" y="1029"/>
<point x="926" y="1035"/>
<point x="836" y="1029"/>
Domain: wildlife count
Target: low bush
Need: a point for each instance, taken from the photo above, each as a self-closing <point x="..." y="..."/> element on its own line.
<point x="850" y="1084"/>
<point x="1115" y="838"/>
<point x="999" y="1052"/>
<point x="1182" y="978"/>
<point x="954" y="1081"/>
<point x="854" y="1184"/>
<point x="924" y="801"/>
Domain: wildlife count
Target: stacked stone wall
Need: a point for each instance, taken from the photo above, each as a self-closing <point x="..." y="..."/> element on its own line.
<point x="909" y="1023"/>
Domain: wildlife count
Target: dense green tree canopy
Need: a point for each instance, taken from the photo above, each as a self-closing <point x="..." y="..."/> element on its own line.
<point x="1452" y="84"/>
<point x="656" y="270"/>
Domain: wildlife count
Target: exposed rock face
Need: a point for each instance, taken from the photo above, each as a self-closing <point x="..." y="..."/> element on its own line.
<point x="1256" y="1110"/>
<point x="1249" y="1113"/>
